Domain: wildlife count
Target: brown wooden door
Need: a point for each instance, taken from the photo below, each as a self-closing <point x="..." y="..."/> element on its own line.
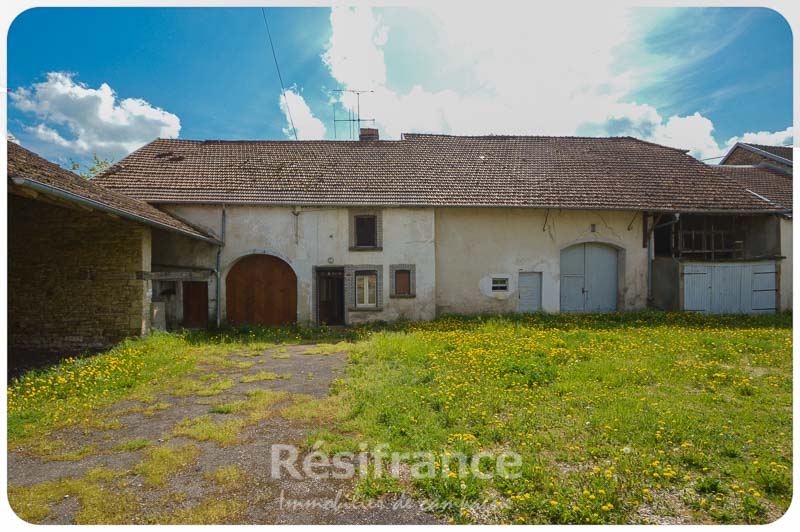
<point x="195" y="304"/>
<point x="261" y="289"/>
<point x="330" y="296"/>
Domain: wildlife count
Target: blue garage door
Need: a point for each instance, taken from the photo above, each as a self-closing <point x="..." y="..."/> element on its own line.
<point x="589" y="278"/>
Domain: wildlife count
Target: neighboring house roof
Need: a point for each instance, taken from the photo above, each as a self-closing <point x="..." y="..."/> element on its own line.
<point x="771" y="183"/>
<point x="780" y="154"/>
<point x="784" y="152"/>
<point x="619" y="173"/>
<point x="28" y="170"/>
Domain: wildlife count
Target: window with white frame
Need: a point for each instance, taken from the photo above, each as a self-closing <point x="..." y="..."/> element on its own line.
<point x="366" y="289"/>
<point x="499" y="284"/>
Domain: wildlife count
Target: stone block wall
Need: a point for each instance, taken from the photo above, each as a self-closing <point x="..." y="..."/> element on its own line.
<point x="76" y="278"/>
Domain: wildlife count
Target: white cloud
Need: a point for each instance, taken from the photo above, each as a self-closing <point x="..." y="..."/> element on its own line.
<point x="49" y="135"/>
<point x="308" y="126"/>
<point x="83" y="120"/>
<point x="533" y="70"/>
<point x="356" y="56"/>
<point x="775" y="138"/>
<point x="11" y="138"/>
<point x="693" y="132"/>
<point x="520" y="84"/>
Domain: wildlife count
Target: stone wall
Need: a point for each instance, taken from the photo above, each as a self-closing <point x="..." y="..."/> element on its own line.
<point x="74" y="277"/>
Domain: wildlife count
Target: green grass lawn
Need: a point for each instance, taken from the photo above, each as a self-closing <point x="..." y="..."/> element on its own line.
<point x="642" y="417"/>
<point x="620" y="418"/>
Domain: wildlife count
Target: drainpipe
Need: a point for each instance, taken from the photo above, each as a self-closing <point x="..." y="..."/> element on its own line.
<point x="296" y="213"/>
<point x="217" y="271"/>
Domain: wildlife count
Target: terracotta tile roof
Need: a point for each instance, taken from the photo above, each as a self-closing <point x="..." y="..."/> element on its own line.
<point x="618" y="173"/>
<point x="25" y="165"/>
<point x="784" y="152"/>
<point x="773" y="184"/>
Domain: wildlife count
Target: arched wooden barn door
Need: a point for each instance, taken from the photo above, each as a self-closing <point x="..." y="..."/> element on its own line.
<point x="261" y="289"/>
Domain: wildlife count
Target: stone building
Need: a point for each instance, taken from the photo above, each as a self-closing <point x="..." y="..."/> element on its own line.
<point x="79" y="259"/>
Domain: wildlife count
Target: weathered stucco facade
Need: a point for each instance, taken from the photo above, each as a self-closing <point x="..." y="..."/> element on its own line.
<point x="475" y="245"/>
<point x="306" y="238"/>
<point x="454" y="253"/>
<point x="78" y="277"/>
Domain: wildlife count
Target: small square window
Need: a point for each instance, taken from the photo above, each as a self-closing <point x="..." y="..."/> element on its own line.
<point x="499" y="284"/>
<point x="402" y="282"/>
<point x="366" y="289"/>
<point x="366" y="231"/>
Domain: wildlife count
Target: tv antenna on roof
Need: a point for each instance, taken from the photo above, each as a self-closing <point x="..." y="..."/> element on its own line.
<point x="353" y="121"/>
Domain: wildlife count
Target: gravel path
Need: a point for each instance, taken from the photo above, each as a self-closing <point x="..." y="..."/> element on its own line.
<point x="258" y="497"/>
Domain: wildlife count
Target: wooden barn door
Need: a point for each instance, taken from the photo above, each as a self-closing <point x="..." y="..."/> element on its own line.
<point x="195" y="304"/>
<point x="261" y="289"/>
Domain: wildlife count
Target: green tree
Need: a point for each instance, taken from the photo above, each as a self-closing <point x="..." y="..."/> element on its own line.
<point x="96" y="167"/>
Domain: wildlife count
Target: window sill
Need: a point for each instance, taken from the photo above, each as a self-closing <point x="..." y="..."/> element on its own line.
<point x="357" y="248"/>
<point x="365" y="309"/>
<point x="402" y="296"/>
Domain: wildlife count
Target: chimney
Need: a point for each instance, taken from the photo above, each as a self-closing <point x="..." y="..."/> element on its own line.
<point x="368" y="133"/>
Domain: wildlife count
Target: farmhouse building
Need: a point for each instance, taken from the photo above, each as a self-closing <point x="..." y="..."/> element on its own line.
<point x="79" y="259"/>
<point x="347" y="232"/>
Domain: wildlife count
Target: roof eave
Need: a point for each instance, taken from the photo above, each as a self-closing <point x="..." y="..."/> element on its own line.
<point x="100" y="206"/>
<point x="767" y="210"/>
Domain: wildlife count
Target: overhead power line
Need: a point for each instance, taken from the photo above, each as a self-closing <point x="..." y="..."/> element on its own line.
<point x="280" y="78"/>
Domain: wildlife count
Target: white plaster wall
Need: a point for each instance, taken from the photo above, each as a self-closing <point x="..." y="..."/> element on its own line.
<point x="786" y="264"/>
<point x="317" y="237"/>
<point x="472" y="245"/>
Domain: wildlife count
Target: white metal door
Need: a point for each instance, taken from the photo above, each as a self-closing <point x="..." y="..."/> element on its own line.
<point x="589" y="278"/>
<point x="530" y="291"/>
<point x="697" y="288"/>
<point x="601" y="278"/>
<point x="764" y="297"/>
<point x="730" y="288"/>
<point x="573" y="267"/>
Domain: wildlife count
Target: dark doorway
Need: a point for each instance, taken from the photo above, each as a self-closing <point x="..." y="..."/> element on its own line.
<point x="330" y="296"/>
<point x="195" y="304"/>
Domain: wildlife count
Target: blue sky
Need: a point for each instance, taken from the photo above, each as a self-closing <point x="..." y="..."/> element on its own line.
<point x="693" y="78"/>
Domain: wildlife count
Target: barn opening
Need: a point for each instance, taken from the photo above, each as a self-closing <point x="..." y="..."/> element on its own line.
<point x="721" y="264"/>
